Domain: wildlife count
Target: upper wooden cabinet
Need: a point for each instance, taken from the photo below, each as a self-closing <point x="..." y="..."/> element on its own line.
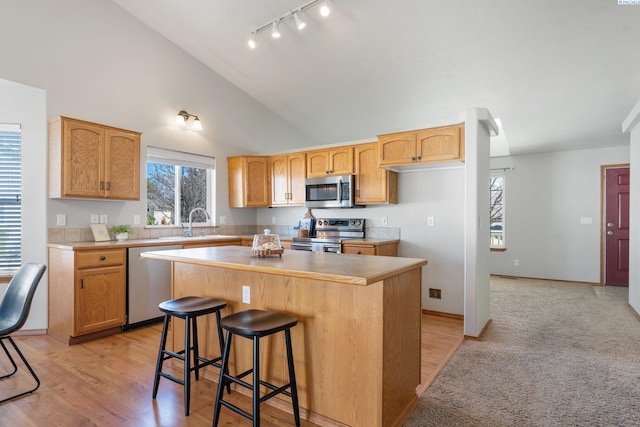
<point x="93" y="161"/>
<point x="434" y="145"/>
<point x="249" y="181"/>
<point x="287" y="179"/>
<point x="374" y="185"/>
<point x="334" y="161"/>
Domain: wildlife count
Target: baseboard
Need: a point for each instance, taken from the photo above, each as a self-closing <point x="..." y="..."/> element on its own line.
<point x="26" y="332"/>
<point x="507" y="276"/>
<point x="443" y="314"/>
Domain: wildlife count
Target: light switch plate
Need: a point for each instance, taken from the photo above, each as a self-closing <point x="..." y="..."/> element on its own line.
<point x="136" y="220"/>
<point x="246" y="294"/>
<point x="95" y="219"/>
<point x="223" y="219"/>
<point x="385" y="221"/>
<point x="104" y="219"/>
<point x="61" y="219"/>
<point x="430" y="221"/>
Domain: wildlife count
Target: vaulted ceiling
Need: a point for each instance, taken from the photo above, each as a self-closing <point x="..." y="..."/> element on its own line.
<point x="560" y="74"/>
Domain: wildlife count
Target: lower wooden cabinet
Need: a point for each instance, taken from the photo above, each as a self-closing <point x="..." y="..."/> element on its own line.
<point x="87" y="292"/>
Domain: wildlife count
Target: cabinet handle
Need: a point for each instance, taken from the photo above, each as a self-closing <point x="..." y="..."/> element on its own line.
<point x="359" y="252"/>
<point x="102" y="258"/>
<point x="109" y="186"/>
<point x="81" y="283"/>
<point x="413" y="159"/>
<point x="327" y="172"/>
<point x="101" y="185"/>
<point x="419" y="157"/>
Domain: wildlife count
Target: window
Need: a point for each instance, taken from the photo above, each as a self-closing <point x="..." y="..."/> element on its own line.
<point x="496" y="215"/>
<point x="177" y="183"/>
<point x="10" y="198"/>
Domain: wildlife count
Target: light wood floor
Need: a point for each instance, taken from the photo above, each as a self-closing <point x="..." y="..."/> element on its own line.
<point x="108" y="382"/>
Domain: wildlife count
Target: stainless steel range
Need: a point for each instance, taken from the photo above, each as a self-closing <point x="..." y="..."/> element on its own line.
<point x="329" y="234"/>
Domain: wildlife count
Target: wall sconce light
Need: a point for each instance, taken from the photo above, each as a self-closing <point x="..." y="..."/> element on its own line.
<point x="295" y="15"/>
<point x="183" y="117"/>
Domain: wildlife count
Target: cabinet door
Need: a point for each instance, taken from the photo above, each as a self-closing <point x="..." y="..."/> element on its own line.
<point x="279" y="181"/>
<point x="257" y="182"/>
<point x="317" y="163"/>
<point x="82" y="159"/>
<point x="100" y="299"/>
<point x="373" y="184"/>
<point x="341" y="161"/>
<point x="122" y="165"/>
<point x="397" y="148"/>
<point x="441" y="144"/>
<point x="297" y="174"/>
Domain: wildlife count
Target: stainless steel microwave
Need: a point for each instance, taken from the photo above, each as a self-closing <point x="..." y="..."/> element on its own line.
<point x="330" y="192"/>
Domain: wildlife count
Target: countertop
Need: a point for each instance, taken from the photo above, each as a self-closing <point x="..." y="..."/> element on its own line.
<point x="171" y="240"/>
<point x="341" y="268"/>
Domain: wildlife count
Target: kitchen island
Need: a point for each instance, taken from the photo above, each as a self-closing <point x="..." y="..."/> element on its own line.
<point x="357" y="344"/>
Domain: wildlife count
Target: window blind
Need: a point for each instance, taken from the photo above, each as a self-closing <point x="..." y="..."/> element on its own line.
<point x="179" y="158"/>
<point x="10" y="197"/>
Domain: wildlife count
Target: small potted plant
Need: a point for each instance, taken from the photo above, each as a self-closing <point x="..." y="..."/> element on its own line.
<point x="121" y="231"/>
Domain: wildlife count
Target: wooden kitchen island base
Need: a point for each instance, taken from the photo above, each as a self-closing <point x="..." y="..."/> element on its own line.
<point x="357" y="344"/>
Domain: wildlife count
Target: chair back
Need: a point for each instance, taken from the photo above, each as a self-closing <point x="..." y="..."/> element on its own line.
<point x="16" y="303"/>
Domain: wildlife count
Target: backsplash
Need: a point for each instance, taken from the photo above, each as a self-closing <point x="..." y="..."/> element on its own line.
<point x="68" y="235"/>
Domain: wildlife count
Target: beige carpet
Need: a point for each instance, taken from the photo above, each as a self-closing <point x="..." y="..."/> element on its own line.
<point x="555" y="354"/>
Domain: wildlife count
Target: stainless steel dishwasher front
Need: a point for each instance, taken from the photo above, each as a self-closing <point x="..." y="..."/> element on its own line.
<point x="148" y="284"/>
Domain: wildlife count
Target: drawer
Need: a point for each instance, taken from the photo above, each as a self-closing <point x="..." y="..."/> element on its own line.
<point x="358" y="249"/>
<point x="103" y="258"/>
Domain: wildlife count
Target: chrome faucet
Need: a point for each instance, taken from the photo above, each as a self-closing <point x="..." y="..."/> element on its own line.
<point x="189" y="232"/>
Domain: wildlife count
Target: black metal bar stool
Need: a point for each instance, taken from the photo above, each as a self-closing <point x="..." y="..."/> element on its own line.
<point x="189" y="309"/>
<point x="255" y="324"/>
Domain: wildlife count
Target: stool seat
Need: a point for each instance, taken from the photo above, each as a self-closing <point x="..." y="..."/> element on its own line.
<point x="188" y="308"/>
<point x="191" y="306"/>
<point x="257" y="323"/>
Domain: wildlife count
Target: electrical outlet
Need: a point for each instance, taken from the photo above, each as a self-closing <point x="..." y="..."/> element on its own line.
<point x="223" y="219"/>
<point x="95" y="218"/>
<point x="61" y="220"/>
<point x="435" y="293"/>
<point x="246" y="294"/>
<point x="430" y="221"/>
<point x="104" y="219"/>
<point x="516" y="262"/>
<point x="273" y="220"/>
<point x="136" y="220"/>
<point x="385" y="221"/>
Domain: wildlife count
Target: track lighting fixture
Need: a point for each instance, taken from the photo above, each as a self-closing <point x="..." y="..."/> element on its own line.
<point x="300" y="23"/>
<point x="183" y="117"/>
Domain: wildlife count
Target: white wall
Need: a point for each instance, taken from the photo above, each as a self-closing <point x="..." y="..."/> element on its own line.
<point x="98" y="63"/>
<point x="546" y="195"/>
<point x="26" y="106"/>
<point x="631" y="125"/>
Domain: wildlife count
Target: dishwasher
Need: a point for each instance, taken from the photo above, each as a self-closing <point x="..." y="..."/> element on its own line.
<point x="148" y="284"/>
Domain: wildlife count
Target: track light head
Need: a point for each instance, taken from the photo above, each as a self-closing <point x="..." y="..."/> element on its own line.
<point x="275" y="33"/>
<point x="299" y="22"/>
<point x="252" y="41"/>
<point x="324" y="9"/>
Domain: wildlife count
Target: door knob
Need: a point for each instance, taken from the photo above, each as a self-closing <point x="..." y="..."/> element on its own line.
<point x="610" y="233"/>
<point x="610" y="224"/>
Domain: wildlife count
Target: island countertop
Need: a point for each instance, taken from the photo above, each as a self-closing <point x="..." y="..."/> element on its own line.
<point x="340" y="268"/>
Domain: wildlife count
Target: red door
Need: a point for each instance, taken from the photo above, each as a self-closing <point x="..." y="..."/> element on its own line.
<point x="617" y="227"/>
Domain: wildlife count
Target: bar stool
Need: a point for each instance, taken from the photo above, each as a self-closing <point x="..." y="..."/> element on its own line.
<point x="255" y="324"/>
<point x="189" y="309"/>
